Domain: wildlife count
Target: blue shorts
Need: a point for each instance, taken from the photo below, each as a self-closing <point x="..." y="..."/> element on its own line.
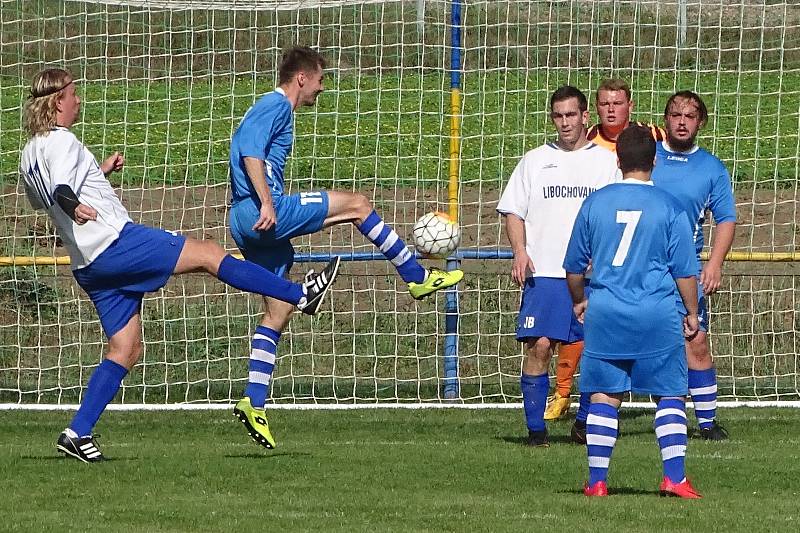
<point x="662" y="375"/>
<point x="296" y="214"/>
<point x="546" y="311"/>
<point x="702" y="310"/>
<point x="141" y="260"/>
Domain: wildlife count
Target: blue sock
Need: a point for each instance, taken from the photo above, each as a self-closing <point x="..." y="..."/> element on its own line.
<point x="601" y="436"/>
<point x="101" y="389"/>
<point x="393" y="248"/>
<point x="584" y="402"/>
<point x="250" y="277"/>
<point x="670" y="426"/>
<point x="534" y="399"/>
<point x="703" y="390"/>
<point x="262" y="362"/>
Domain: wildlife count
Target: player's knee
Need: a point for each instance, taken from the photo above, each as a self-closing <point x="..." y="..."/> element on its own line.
<point x="362" y="207"/>
<point x="136" y="352"/>
<point x="541" y="349"/>
<point x="697" y="351"/>
<point x="209" y="255"/>
<point x="127" y="354"/>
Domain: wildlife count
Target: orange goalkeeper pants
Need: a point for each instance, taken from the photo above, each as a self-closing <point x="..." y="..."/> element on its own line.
<point x="568" y="357"/>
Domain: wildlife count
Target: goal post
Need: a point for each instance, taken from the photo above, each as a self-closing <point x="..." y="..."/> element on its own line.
<point x="166" y="83"/>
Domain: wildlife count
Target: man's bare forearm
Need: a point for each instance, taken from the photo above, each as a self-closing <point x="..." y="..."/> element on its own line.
<point x="255" y="171"/>
<point x="723" y="240"/>
<point x="687" y="287"/>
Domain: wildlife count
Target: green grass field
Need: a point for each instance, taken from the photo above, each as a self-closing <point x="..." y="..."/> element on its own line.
<point x="387" y="470"/>
<point x="393" y="128"/>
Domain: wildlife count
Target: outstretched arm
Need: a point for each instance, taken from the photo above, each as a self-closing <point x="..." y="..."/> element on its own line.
<point x="113" y="163"/>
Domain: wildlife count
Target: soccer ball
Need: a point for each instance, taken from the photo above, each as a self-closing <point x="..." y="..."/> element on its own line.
<point x="436" y="235"/>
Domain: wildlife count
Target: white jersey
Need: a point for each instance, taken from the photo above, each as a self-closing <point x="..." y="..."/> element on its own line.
<point x="59" y="158"/>
<point x="546" y="190"/>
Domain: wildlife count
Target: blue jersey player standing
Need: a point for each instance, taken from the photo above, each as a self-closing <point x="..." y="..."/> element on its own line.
<point x="113" y="259"/>
<point x="639" y="242"/>
<point x="264" y="219"/>
<point x="701" y="183"/>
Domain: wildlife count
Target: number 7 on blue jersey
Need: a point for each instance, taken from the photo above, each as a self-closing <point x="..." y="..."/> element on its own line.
<point x="630" y="219"/>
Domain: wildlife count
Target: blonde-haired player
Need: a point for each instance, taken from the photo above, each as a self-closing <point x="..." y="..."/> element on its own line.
<point x="115" y="260"/>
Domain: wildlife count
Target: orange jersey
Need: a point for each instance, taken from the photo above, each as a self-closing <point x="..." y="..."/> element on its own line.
<point x="595" y="135"/>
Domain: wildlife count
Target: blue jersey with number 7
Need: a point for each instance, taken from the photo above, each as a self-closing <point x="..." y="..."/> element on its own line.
<point x="639" y="241"/>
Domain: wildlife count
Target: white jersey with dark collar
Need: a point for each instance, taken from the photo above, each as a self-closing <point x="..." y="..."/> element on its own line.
<point x="546" y="190"/>
<point x="59" y="158"/>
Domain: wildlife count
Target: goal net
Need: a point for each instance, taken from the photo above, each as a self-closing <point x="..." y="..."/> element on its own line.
<point x="166" y="83"/>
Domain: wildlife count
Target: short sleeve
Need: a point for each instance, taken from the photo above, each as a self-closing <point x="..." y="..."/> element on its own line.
<point x="721" y="201"/>
<point x="259" y="128"/>
<point x="514" y="200"/>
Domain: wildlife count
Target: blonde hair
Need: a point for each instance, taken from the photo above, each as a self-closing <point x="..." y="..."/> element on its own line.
<point x="40" y="107"/>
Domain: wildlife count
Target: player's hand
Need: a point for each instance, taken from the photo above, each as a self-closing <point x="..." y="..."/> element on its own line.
<point x="84" y="213"/>
<point x="113" y="163"/>
<point x="711" y="278"/>
<point x="691" y="325"/>
<point x="580" y="309"/>
<point x="266" y="218"/>
<point x="520" y="267"/>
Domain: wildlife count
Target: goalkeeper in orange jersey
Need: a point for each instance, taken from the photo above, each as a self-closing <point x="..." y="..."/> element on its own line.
<point x="613" y="105"/>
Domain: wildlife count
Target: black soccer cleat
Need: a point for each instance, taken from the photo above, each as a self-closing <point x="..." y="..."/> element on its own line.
<point x="81" y="448"/>
<point x="537" y="439"/>
<point x="316" y="286"/>
<point x="578" y="432"/>
<point x="714" y="432"/>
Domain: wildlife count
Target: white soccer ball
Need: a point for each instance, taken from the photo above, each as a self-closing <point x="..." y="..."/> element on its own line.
<point x="436" y="235"/>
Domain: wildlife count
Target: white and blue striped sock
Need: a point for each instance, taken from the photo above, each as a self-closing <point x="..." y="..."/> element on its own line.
<point x="264" y="346"/>
<point x="703" y="390"/>
<point x="601" y="436"/>
<point x="393" y="248"/>
<point x="670" y="426"/>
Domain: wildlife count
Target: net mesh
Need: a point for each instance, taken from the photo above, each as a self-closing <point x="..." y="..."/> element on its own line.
<point x="166" y="83"/>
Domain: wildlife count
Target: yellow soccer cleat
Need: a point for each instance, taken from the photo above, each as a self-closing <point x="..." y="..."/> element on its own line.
<point x="255" y="420"/>
<point x="557" y="406"/>
<point x="436" y="281"/>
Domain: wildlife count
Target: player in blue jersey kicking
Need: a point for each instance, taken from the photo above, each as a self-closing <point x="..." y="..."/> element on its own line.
<point x="701" y="183"/>
<point x="264" y="218"/>
<point x="639" y="242"/>
<point x="113" y="259"/>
